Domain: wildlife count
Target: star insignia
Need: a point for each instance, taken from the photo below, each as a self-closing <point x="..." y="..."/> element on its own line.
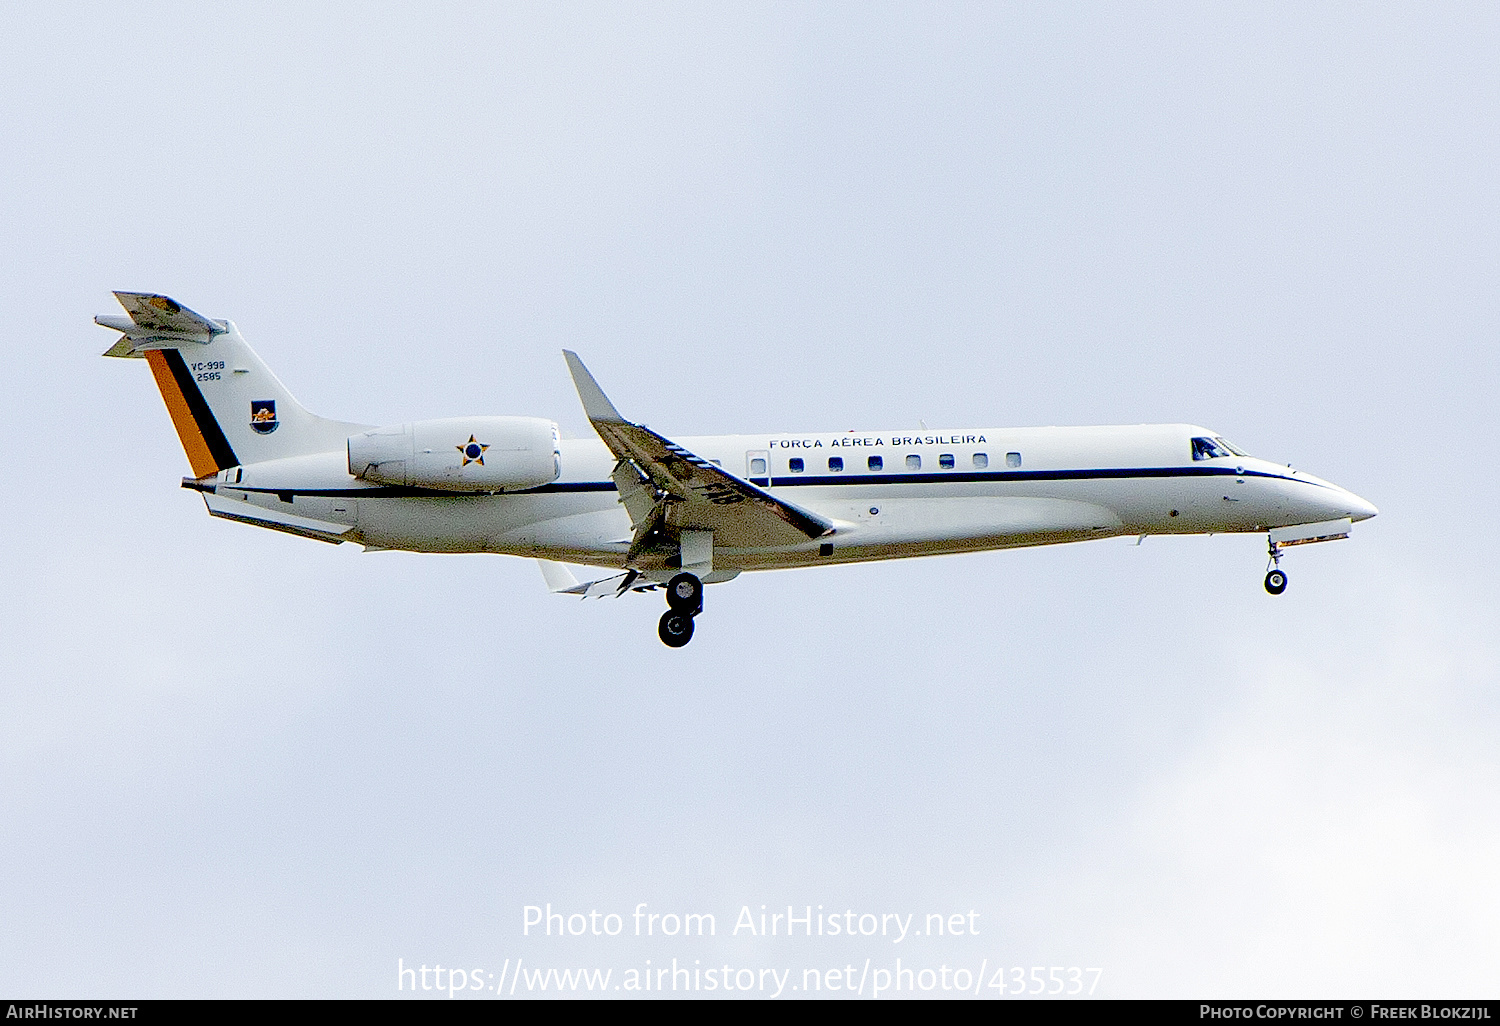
<point x="473" y="451"/>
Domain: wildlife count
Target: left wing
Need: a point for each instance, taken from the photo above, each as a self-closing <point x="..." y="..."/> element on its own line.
<point x="666" y="488"/>
<point x="560" y="581"/>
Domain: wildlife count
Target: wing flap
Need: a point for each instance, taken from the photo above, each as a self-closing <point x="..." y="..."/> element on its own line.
<point x="637" y="494"/>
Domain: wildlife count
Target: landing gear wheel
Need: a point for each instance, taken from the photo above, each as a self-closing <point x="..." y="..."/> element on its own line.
<point x="685" y="594"/>
<point x="1276" y="582"/>
<point x="675" y="629"/>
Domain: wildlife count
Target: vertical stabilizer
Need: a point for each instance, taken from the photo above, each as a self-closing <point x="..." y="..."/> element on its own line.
<point x="227" y="406"/>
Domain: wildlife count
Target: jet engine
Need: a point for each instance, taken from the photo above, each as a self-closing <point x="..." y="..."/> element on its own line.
<point x="459" y="454"/>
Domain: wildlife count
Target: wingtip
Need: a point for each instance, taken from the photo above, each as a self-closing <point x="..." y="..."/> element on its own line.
<point x="595" y="403"/>
<point x="560" y="580"/>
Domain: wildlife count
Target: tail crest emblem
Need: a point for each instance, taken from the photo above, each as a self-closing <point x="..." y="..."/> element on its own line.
<point x="263" y="416"/>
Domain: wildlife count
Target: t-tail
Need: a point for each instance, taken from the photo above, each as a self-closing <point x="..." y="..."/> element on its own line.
<point x="227" y="406"/>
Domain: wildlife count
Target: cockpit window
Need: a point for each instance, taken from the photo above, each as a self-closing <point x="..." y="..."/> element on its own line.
<point x="1231" y="447"/>
<point x="1208" y="448"/>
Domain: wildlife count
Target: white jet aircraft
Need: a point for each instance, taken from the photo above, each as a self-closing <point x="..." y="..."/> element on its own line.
<point x="702" y="510"/>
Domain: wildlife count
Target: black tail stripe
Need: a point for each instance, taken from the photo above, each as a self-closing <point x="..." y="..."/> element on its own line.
<point x="213" y="435"/>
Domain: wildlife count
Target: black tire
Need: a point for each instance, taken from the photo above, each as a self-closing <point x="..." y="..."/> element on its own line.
<point x="685" y="594"/>
<point x="1276" y="582"/>
<point x="675" y="629"/>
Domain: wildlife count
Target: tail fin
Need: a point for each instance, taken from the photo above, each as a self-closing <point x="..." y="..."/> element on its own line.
<point x="227" y="406"/>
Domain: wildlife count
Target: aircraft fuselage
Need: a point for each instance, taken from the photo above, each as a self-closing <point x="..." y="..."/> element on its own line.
<point x="889" y="495"/>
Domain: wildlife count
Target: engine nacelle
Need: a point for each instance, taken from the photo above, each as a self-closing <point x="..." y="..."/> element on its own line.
<point x="460" y="454"/>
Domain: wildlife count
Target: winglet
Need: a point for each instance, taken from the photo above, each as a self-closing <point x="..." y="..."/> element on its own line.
<point x="560" y="579"/>
<point x="595" y="403"/>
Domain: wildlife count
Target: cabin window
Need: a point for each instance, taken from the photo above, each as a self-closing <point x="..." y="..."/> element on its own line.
<point x="945" y="461"/>
<point x="913" y="462"/>
<point x="875" y="463"/>
<point x="1208" y="449"/>
<point x="795" y="464"/>
<point x="758" y="467"/>
<point x="1012" y="459"/>
<point x="835" y="463"/>
<point x="981" y="460"/>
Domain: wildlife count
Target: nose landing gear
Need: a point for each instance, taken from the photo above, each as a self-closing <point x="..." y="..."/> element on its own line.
<point x="685" y="599"/>
<point x="1275" y="577"/>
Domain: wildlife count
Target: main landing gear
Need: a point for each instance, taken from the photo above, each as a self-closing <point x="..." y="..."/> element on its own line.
<point x="685" y="599"/>
<point x="1275" y="577"/>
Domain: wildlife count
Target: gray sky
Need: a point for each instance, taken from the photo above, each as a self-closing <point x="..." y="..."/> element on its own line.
<point x="238" y="763"/>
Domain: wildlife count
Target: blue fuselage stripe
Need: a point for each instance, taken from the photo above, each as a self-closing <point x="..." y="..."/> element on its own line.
<point x="976" y="476"/>
<point x="819" y="481"/>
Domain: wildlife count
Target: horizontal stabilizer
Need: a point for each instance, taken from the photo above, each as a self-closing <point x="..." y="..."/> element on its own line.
<point x="151" y="312"/>
<point x="155" y="322"/>
<point x="122" y="349"/>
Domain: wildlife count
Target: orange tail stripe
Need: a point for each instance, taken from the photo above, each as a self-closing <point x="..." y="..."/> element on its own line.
<point x="193" y="442"/>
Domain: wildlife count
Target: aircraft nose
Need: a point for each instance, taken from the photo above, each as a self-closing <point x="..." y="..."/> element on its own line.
<point x="1357" y="508"/>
